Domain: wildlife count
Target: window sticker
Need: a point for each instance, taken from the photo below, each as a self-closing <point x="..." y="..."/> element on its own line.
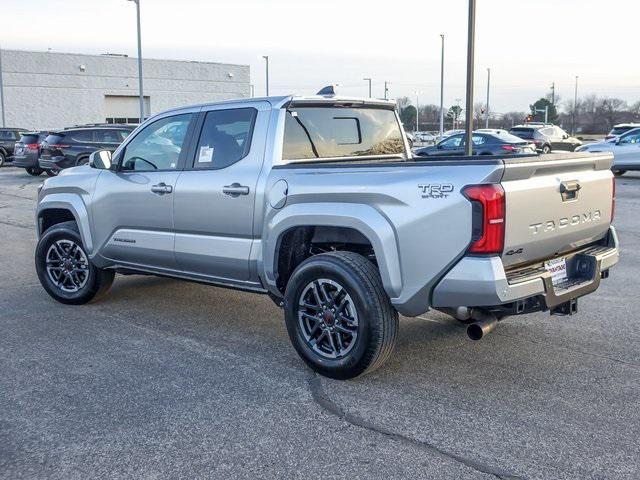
<point x="206" y="154"/>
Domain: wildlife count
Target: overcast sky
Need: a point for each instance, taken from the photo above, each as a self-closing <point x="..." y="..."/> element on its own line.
<point x="527" y="43"/>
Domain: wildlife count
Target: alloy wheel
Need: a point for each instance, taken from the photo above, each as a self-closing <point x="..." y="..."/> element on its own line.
<point x="328" y="318"/>
<point x="67" y="265"/>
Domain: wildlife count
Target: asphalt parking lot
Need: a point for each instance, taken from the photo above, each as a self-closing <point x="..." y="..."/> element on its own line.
<point x="166" y="379"/>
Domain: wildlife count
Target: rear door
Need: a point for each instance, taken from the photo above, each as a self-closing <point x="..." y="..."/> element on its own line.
<point x="133" y="205"/>
<point x="215" y="195"/>
<point x="627" y="150"/>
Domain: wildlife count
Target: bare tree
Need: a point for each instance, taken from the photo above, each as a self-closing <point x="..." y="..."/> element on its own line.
<point x="612" y="110"/>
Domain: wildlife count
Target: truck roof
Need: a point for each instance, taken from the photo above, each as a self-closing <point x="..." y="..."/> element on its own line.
<point x="281" y="101"/>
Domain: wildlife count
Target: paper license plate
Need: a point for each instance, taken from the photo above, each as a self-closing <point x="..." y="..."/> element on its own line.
<point x="558" y="270"/>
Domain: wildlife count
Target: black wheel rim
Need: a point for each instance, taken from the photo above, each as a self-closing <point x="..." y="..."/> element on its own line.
<point x="67" y="266"/>
<point x="328" y="318"/>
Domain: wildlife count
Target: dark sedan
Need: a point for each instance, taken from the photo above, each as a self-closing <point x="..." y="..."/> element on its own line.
<point x="485" y="142"/>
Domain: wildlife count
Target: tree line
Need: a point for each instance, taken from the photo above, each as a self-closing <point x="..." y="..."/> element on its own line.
<point x="592" y="114"/>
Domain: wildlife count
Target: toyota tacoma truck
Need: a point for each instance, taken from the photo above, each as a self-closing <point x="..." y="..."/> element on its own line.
<point x="318" y="202"/>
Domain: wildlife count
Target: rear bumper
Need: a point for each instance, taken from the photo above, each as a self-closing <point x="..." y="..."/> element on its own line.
<point x="25" y="162"/>
<point x="55" y="163"/>
<point x="483" y="281"/>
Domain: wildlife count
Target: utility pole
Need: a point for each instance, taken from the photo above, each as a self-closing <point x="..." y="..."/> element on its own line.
<point x="575" y="108"/>
<point x="266" y="59"/>
<point x="137" y="2"/>
<point x="253" y="90"/>
<point x="553" y="93"/>
<point x="486" y="120"/>
<point x="386" y="89"/>
<point x="1" y="90"/>
<point x="471" y="33"/>
<point x="368" y="80"/>
<point x="442" y="86"/>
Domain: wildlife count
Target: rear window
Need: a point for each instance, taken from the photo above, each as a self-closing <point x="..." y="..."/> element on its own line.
<point x="333" y="132"/>
<point x="522" y="132"/>
<point x="505" y="137"/>
<point x="27" y="139"/>
<point x="82" y="135"/>
<point x="54" y="138"/>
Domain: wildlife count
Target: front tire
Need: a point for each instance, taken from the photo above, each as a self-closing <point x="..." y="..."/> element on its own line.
<point x="64" y="268"/>
<point x="546" y="149"/>
<point x="338" y="316"/>
<point x="3" y="159"/>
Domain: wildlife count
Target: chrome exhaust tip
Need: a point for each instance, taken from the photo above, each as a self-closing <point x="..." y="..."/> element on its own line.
<point x="485" y="323"/>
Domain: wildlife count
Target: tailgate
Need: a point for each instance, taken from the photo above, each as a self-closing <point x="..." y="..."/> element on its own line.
<point x="554" y="204"/>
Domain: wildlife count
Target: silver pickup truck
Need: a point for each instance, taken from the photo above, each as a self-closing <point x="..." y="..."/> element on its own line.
<point x="318" y="202"/>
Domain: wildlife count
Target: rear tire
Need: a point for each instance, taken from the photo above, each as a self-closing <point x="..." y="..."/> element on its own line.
<point x="619" y="173"/>
<point x="82" y="161"/>
<point x="546" y="149"/>
<point x="338" y="316"/>
<point x="3" y="159"/>
<point x="64" y="268"/>
<point x="34" y="171"/>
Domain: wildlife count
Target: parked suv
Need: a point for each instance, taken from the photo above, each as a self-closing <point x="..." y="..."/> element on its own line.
<point x="71" y="147"/>
<point x="546" y="137"/>
<point x="27" y="151"/>
<point x="8" y="139"/>
<point x="318" y="202"/>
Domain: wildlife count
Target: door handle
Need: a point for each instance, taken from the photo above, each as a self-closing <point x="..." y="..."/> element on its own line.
<point x="235" y="190"/>
<point x="161" y="188"/>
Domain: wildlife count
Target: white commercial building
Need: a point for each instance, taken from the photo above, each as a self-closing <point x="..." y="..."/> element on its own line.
<point x="47" y="90"/>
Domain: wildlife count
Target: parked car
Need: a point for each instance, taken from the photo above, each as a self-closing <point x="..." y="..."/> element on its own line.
<point x="621" y="128"/>
<point x="318" y="202"/>
<point x="485" y="142"/>
<point x="27" y="151"/>
<point x="448" y="133"/>
<point x="426" y="137"/>
<point x="8" y="139"/>
<point x="546" y="137"/>
<point x="625" y="149"/>
<point x="71" y="147"/>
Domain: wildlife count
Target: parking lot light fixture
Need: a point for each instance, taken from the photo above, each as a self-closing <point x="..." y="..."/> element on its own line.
<point x="1" y="90"/>
<point x="137" y="2"/>
<point x="368" y="80"/>
<point x="486" y="120"/>
<point x="575" y="108"/>
<point x="266" y="60"/>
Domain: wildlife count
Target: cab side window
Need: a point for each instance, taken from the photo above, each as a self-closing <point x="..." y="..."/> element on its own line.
<point x="158" y="146"/>
<point x="225" y="138"/>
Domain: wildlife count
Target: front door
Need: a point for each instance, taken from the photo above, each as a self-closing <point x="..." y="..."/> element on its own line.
<point x="215" y="195"/>
<point x="626" y="151"/>
<point x="133" y="205"/>
<point x="454" y="145"/>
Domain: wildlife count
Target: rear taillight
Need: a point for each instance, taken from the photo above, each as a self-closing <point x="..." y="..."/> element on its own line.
<point x="613" y="198"/>
<point x="509" y="148"/>
<point x="488" y="221"/>
<point x="31" y="146"/>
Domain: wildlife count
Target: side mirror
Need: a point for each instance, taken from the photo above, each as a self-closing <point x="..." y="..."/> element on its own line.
<point x="565" y="136"/>
<point x="100" y="159"/>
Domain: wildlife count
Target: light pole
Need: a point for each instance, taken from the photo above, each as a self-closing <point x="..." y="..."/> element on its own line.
<point x="368" y="80"/>
<point x="253" y="90"/>
<point x="486" y="120"/>
<point x="386" y="89"/>
<point x="1" y="90"/>
<point x="266" y="59"/>
<point x="442" y="86"/>
<point x="137" y="2"/>
<point x="468" y="150"/>
<point x="575" y="108"/>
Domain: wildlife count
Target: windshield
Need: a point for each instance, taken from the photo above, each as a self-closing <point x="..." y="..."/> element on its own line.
<point x="334" y="132"/>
